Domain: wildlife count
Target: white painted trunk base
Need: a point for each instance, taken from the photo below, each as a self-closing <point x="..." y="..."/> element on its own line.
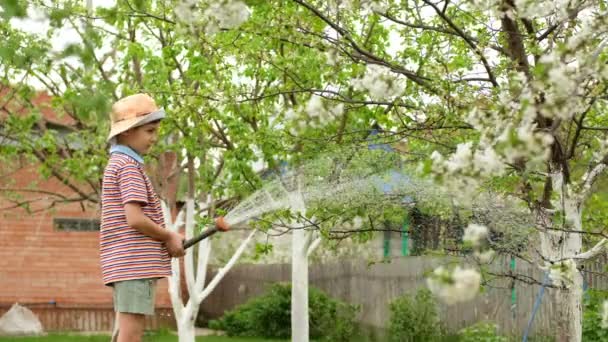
<point x="299" y="287"/>
<point x="186" y="332"/>
<point x="558" y="246"/>
<point x="300" y="241"/>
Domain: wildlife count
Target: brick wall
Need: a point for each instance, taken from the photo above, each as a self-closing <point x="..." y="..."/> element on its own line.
<point x="56" y="273"/>
<point x="39" y="264"/>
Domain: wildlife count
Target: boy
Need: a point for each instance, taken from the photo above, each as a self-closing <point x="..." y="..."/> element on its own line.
<point x="135" y="247"/>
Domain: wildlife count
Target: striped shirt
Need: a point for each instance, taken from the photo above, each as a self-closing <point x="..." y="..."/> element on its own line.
<point x="125" y="252"/>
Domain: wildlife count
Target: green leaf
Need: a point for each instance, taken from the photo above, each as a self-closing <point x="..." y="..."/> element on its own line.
<point x="13" y="8"/>
<point x="57" y="16"/>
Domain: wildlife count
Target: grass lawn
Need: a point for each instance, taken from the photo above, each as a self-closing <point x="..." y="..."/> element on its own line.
<point x="150" y="337"/>
<point x="167" y="337"/>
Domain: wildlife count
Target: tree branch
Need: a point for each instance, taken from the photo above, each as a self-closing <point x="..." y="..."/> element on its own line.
<point x="595" y="251"/>
<point x="467" y="39"/>
<point x="515" y="45"/>
<point x="364" y="53"/>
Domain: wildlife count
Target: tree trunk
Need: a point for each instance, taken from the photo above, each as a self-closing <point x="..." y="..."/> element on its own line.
<point x="559" y="246"/>
<point x="185" y="330"/>
<point x="299" y="287"/>
<point x="185" y="315"/>
<point x="299" y="272"/>
<point x="570" y="311"/>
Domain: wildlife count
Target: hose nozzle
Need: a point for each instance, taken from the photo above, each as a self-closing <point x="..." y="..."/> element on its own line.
<point x="220" y="225"/>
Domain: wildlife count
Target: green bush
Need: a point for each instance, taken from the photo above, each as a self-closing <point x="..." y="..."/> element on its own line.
<point x="481" y="332"/>
<point x="414" y="318"/>
<point x="270" y="316"/>
<point x="592" y="316"/>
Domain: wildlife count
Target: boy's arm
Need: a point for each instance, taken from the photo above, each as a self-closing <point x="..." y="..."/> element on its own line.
<point x="143" y="224"/>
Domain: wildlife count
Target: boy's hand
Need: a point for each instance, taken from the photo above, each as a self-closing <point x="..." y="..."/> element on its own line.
<point x="175" y="245"/>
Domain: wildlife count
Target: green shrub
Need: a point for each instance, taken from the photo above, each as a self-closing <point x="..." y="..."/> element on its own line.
<point x="414" y="318"/>
<point x="592" y="316"/>
<point x="270" y="316"/>
<point x="330" y="319"/>
<point x="481" y="332"/>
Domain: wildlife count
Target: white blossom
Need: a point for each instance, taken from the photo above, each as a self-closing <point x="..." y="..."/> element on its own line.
<point x="357" y="222"/>
<point x="562" y="273"/>
<point x="561" y="88"/>
<point x="584" y="34"/>
<point x="186" y="11"/>
<point x="314" y="106"/>
<point x="380" y="82"/>
<point x="533" y="8"/>
<point x="515" y="136"/>
<point x="488" y="162"/>
<point x="475" y="234"/>
<point x="462" y="158"/>
<point x="365" y="5"/>
<point x="229" y="14"/>
<point x="290" y="114"/>
<point x="485" y="4"/>
<point x="534" y="145"/>
<point x="473" y="119"/>
<point x="336" y="110"/>
<point x="484" y="257"/>
<point x="560" y="79"/>
<point x="562" y="7"/>
<point x="374" y="5"/>
<point x="436" y="157"/>
<point x="525" y="133"/>
<point x="417" y="116"/>
<point x="320" y="112"/>
<point x="343" y="4"/>
<point x="464" y="185"/>
<point x="331" y="56"/>
<point x="219" y="14"/>
<point x="460" y="285"/>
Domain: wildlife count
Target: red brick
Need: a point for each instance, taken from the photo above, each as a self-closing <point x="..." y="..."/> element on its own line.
<point x="38" y="263"/>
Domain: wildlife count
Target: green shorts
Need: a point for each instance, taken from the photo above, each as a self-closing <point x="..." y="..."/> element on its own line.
<point x="135" y="296"/>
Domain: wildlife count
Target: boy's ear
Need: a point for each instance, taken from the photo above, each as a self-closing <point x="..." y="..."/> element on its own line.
<point x="122" y="135"/>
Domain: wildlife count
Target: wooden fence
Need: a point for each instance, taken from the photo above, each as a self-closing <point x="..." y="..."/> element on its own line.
<point x="374" y="287"/>
<point x="88" y="318"/>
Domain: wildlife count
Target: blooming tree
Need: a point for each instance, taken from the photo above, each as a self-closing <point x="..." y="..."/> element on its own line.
<point x="512" y="94"/>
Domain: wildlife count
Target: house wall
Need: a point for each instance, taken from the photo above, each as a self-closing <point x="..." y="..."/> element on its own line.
<point x="50" y="270"/>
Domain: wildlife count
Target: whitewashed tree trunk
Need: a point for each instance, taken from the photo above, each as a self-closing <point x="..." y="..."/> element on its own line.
<point x="568" y="300"/>
<point x="560" y="245"/>
<point x="299" y="287"/>
<point x="301" y="251"/>
<point x="185" y="315"/>
<point x="300" y="242"/>
<point x="573" y="309"/>
<point x="185" y="331"/>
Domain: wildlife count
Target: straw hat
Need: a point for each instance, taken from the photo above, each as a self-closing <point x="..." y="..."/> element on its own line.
<point x="133" y="111"/>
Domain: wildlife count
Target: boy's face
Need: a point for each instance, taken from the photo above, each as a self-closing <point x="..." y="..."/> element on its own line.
<point x="141" y="138"/>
